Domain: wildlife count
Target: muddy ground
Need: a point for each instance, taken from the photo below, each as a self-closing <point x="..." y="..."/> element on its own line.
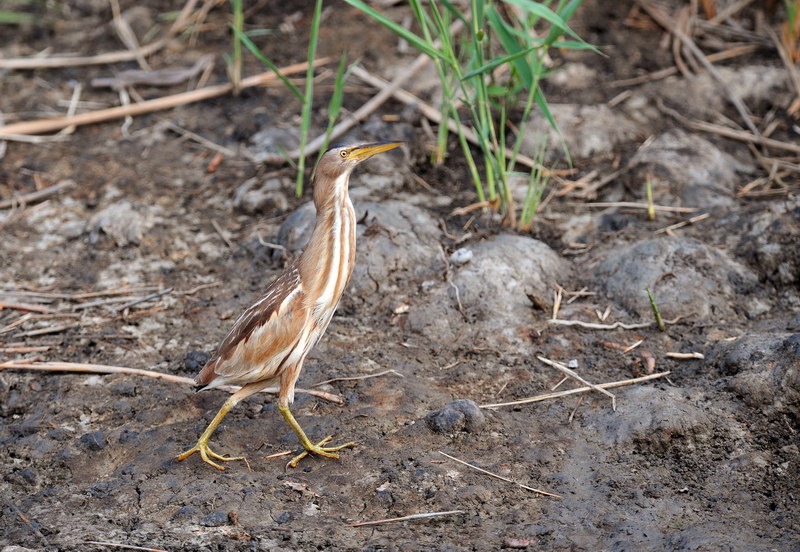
<point x="704" y="459"/>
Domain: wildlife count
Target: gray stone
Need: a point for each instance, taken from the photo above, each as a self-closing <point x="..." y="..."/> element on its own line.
<point x="752" y="84"/>
<point x="273" y="140"/>
<point x="587" y="130"/>
<point x="215" y="519"/>
<point x="123" y="222"/>
<point x="257" y="197"/>
<point x="493" y="289"/>
<point x="687" y="170"/>
<point x="94" y="441"/>
<point x="460" y="415"/>
<point x="687" y="278"/>
<point x="654" y="420"/>
<point x="768" y="242"/>
<point x="763" y="369"/>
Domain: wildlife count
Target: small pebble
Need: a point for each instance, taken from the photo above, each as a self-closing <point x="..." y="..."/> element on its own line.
<point x="215" y="519"/>
<point x="461" y="256"/>
<point x="460" y="415"/>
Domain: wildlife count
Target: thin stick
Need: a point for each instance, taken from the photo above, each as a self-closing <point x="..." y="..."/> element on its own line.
<point x="741" y="135"/>
<point x="102" y="59"/>
<point x="681" y="224"/>
<point x="354" y="378"/>
<point x="574" y="375"/>
<point x="51" y="329"/>
<point x="407" y="518"/>
<point x="277" y="454"/>
<point x="149" y="106"/>
<point x="614" y="326"/>
<point x="487" y="472"/>
<point x="200" y="140"/>
<point x="663" y="19"/>
<point x="222" y="234"/>
<point x="25" y="307"/>
<point x="686" y="356"/>
<point x="143" y="299"/>
<point x="37" y="195"/>
<point x="128" y="546"/>
<point x="104" y="369"/>
<point x="643" y="206"/>
<point x="669" y="71"/>
<point x="547" y="396"/>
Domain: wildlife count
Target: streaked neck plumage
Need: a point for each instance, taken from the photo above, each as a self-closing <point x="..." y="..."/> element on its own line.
<point x="327" y="262"/>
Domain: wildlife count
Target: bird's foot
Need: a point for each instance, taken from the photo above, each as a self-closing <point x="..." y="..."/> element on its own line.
<point x="328" y="452"/>
<point x="206" y="454"/>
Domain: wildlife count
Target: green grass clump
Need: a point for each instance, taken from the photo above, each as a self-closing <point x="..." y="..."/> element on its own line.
<point x="493" y="75"/>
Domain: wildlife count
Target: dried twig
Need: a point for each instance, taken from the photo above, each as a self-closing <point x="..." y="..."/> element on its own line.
<point x="38" y="195"/>
<point x="487" y="472"/>
<point x="149" y="106"/>
<point x="127" y="546"/>
<point x="643" y="206"/>
<point x="407" y="518"/>
<point x="663" y="19"/>
<point x="105" y="369"/>
<point x="102" y="59"/>
<point x="741" y="135"/>
<point x="571" y="373"/>
<point x="686" y="356"/>
<point x="142" y="299"/>
<point x="614" y="326"/>
<point x="693" y="220"/>
<point x="669" y="71"/>
<point x="25" y="307"/>
<point x="547" y="396"/>
<point x="355" y="378"/>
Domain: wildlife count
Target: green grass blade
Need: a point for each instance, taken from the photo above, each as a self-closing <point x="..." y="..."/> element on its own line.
<point x="268" y="62"/>
<point x="540" y="10"/>
<point x="416" y="41"/>
<point x="308" y="100"/>
<point x="15" y="18"/>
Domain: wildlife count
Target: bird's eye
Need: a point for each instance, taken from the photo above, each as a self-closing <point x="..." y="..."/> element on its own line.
<point x="343" y="153"/>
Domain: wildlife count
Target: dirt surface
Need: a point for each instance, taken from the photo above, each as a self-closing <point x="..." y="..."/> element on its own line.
<point x="706" y="459"/>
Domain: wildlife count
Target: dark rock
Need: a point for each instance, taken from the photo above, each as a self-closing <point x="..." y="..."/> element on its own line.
<point x="102" y="489"/>
<point x="256" y="197"/>
<point x="285" y="517"/>
<point x="195" y="360"/>
<point x="128" y="435"/>
<point x="654" y="420"/>
<point x="215" y="519"/>
<point x="764" y="370"/>
<point x="460" y="415"/>
<point x="93" y="441"/>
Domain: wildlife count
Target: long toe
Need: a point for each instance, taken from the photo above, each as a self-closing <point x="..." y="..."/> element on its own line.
<point x="206" y="454"/>
<point x="318" y="449"/>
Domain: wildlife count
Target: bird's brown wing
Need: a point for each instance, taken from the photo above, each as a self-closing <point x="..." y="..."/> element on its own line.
<point x="262" y="337"/>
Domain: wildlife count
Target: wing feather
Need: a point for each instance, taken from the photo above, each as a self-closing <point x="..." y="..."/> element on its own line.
<point x="262" y="337"/>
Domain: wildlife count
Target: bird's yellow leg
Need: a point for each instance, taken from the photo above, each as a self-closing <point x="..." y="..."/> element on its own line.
<point x="202" y="443"/>
<point x="329" y="452"/>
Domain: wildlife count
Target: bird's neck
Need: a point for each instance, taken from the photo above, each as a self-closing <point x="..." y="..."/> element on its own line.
<point x="327" y="262"/>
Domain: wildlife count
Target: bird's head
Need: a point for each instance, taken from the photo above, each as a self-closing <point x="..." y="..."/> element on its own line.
<point x="332" y="174"/>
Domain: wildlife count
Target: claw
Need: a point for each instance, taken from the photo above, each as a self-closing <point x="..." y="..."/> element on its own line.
<point x="328" y="452"/>
<point x="206" y="452"/>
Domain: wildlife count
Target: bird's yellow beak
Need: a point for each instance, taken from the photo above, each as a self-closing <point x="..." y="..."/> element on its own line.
<point x="368" y="150"/>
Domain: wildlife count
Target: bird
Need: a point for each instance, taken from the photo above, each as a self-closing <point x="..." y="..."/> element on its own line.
<point x="270" y="340"/>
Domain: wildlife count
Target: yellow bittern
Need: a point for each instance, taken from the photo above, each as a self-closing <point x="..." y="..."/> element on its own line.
<point x="270" y="340"/>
